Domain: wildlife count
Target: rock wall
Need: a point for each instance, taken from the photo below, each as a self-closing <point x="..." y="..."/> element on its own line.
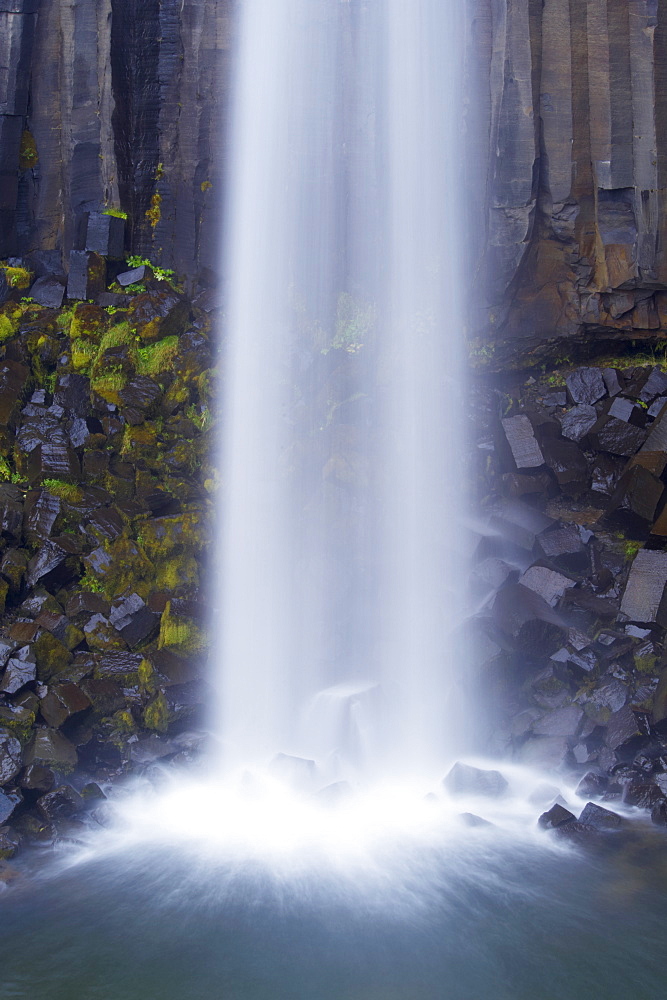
<point x="113" y="104"/>
<point x="572" y="226"/>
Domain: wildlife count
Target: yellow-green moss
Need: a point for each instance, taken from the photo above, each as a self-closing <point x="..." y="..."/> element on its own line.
<point x="128" y="568"/>
<point x="181" y="634"/>
<point x="17" y="277"/>
<point x="164" y="536"/>
<point x="84" y="353"/>
<point x="646" y="664"/>
<point x="177" y="573"/>
<point x="142" y="437"/>
<point x="146" y="676"/>
<point x="5" y="471"/>
<point x="109" y="385"/>
<point x="158" y="357"/>
<point x="65" y="491"/>
<point x="20" y="723"/>
<point x="28" y="156"/>
<point x="88" y="320"/>
<point x="52" y="656"/>
<point x="154" y="213"/>
<point x="156" y="713"/>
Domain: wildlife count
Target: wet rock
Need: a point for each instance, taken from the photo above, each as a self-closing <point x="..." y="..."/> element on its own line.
<point x="586" y="385"/>
<point x="48" y="292"/>
<point x="577" y="422"/>
<point x="105" y="235"/>
<point x="73" y="394"/>
<point x="634" y="502"/>
<point x="659" y="813"/>
<point x="10" y="756"/>
<point x="568" y="464"/>
<point x="616" y="436"/>
<point x="559" y="722"/>
<point x="146" y="751"/>
<point x="8" y="804"/>
<point x="545" y="752"/>
<point x="644" y="597"/>
<point x="655" y="385"/>
<point x="656" y="406"/>
<point x="626" y="730"/>
<point x="565" y="548"/>
<point x="606" y="698"/>
<point x="600" y="818"/>
<point x="472" y="820"/>
<point x="100" y="634"/>
<point x="11" y="511"/>
<point x="524" y="617"/>
<point x="546" y="582"/>
<point x="611" y="381"/>
<point x="554" y="817"/>
<point x="37" y="778"/>
<point x="55" y="563"/>
<point x="133" y="620"/>
<point x="61" y="803"/>
<point x="10" y="842"/>
<point x="51" y="749"/>
<point x="14" y="567"/>
<point x="61" y="702"/>
<point x="642" y="795"/>
<point x="20" y="670"/>
<point x="522" y="442"/>
<point x="117" y="664"/>
<point x="158" y="313"/>
<point x="140" y="393"/>
<point x="13" y="377"/>
<point x="625" y="409"/>
<point x="42" y="510"/>
<point x="84" y="604"/>
<point x="463" y="779"/>
<point x="87" y="275"/>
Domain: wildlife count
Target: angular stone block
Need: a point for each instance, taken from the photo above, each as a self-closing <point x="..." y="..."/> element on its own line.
<point x="105" y="235"/>
<point x="644" y="599"/>
<point x="616" y="436"/>
<point x="87" y="275"/>
<point x="586" y="385"/>
<point x="634" y="502"/>
<point x="559" y="722"/>
<point x="133" y="276"/>
<point x="555" y="816"/>
<point x="600" y="818"/>
<point x="655" y="385"/>
<point x="463" y="779"/>
<point x="48" y="292"/>
<point x="577" y="422"/>
<point x="546" y="582"/>
<point x="568" y="464"/>
<point x="565" y="548"/>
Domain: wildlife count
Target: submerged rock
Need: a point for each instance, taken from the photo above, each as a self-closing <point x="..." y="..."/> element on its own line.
<point x="554" y="817"/>
<point x="463" y="779"/>
<point x="600" y="818"/>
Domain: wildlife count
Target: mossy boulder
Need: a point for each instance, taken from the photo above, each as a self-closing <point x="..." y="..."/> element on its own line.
<point x="156" y="713"/>
<point x="52" y="656"/>
<point x="182" y="630"/>
<point x="50" y="748"/>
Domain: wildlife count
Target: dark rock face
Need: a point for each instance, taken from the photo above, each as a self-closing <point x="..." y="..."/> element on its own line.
<point x="113" y="105"/>
<point x="569" y="118"/>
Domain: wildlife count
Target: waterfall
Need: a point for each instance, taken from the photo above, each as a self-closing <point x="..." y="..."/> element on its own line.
<point x="341" y="577"/>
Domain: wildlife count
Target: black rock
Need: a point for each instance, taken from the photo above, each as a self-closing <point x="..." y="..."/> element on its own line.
<point x="11" y="511"/>
<point x="42" y="509"/>
<point x="8" y="804"/>
<point x="577" y="422"/>
<point x="634" y="502"/>
<point x="568" y="464"/>
<point x="73" y="394"/>
<point x="61" y="803"/>
<point x="10" y="756"/>
<point x="522" y="442"/>
<point x="655" y="385"/>
<point x="140" y="393"/>
<point x="61" y="702"/>
<point x="48" y="292"/>
<point x="586" y="385"/>
<point x="644" y="599"/>
<point x="626" y="729"/>
<point x="549" y="584"/>
<point x="616" y="436"/>
<point x="600" y="818"/>
<point x="643" y="795"/>
<point x="53" y="561"/>
<point x="20" y="670"/>
<point x="528" y="621"/>
<point x="659" y="813"/>
<point x="105" y="235"/>
<point x="87" y="275"/>
<point x="565" y="548"/>
<point x="466" y="780"/>
<point x="554" y="817"/>
<point x="37" y="778"/>
<point x="592" y="784"/>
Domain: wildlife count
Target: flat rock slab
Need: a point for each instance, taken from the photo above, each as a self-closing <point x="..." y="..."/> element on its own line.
<point x="577" y="422"/>
<point x="644" y="597"/>
<point x="523" y="444"/>
<point x="546" y="582"/>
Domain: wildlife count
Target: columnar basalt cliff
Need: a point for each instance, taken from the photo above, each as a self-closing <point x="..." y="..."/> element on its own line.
<point x="113" y="104"/>
<point x="573" y="98"/>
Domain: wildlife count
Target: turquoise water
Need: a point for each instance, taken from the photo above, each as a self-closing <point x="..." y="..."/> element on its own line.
<point x="492" y="919"/>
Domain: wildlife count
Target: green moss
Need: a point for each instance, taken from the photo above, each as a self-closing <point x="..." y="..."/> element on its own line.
<point x="91" y="584"/>
<point x="117" y="213"/>
<point x="65" y="491"/>
<point x="154" y="213"/>
<point x="139" y="439"/>
<point x="147" y="678"/>
<point x="159" y="357"/>
<point x="118" y="335"/>
<point x="20" y="722"/>
<point x="156" y="713"/>
<point x="181" y="634"/>
<point x="17" y="277"/>
<point x="109" y="385"/>
<point x="128" y="567"/>
<point x="647" y="664"/>
<point x="84" y="353"/>
<point x="88" y="320"/>
<point x="178" y="573"/>
<point x="28" y="155"/>
<point x="5" y="471"/>
<point x="123" y="721"/>
<point x="52" y="656"/>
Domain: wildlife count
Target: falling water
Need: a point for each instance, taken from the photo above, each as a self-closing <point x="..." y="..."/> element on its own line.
<point x="342" y="460"/>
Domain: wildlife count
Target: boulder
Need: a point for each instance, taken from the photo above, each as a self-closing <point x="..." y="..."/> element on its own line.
<point x="8" y="803"/>
<point x="564" y="548"/>
<point x="546" y="582"/>
<point x="105" y="235"/>
<point x="600" y="818"/>
<point x="568" y="464"/>
<point x="554" y="817"/>
<point x="37" y="778"/>
<point x="592" y="784"/>
<point x="61" y="702"/>
<point x="51" y="749"/>
<point x="643" y="795"/>
<point x="586" y="385"/>
<point x="61" y="803"/>
<point x="545" y="752"/>
<point x="616" y="436"/>
<point x="10" y="756"/>
<point x="626" y="731"/>
<point x="525" y="618"/>
<point x="577" y="422"/>
<point x="20" y="670"/>
<point x="48" y="292"/>
<point x="634" y="502"/>
<point x="463" y="779"/>
<point x="644" y="598"/>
